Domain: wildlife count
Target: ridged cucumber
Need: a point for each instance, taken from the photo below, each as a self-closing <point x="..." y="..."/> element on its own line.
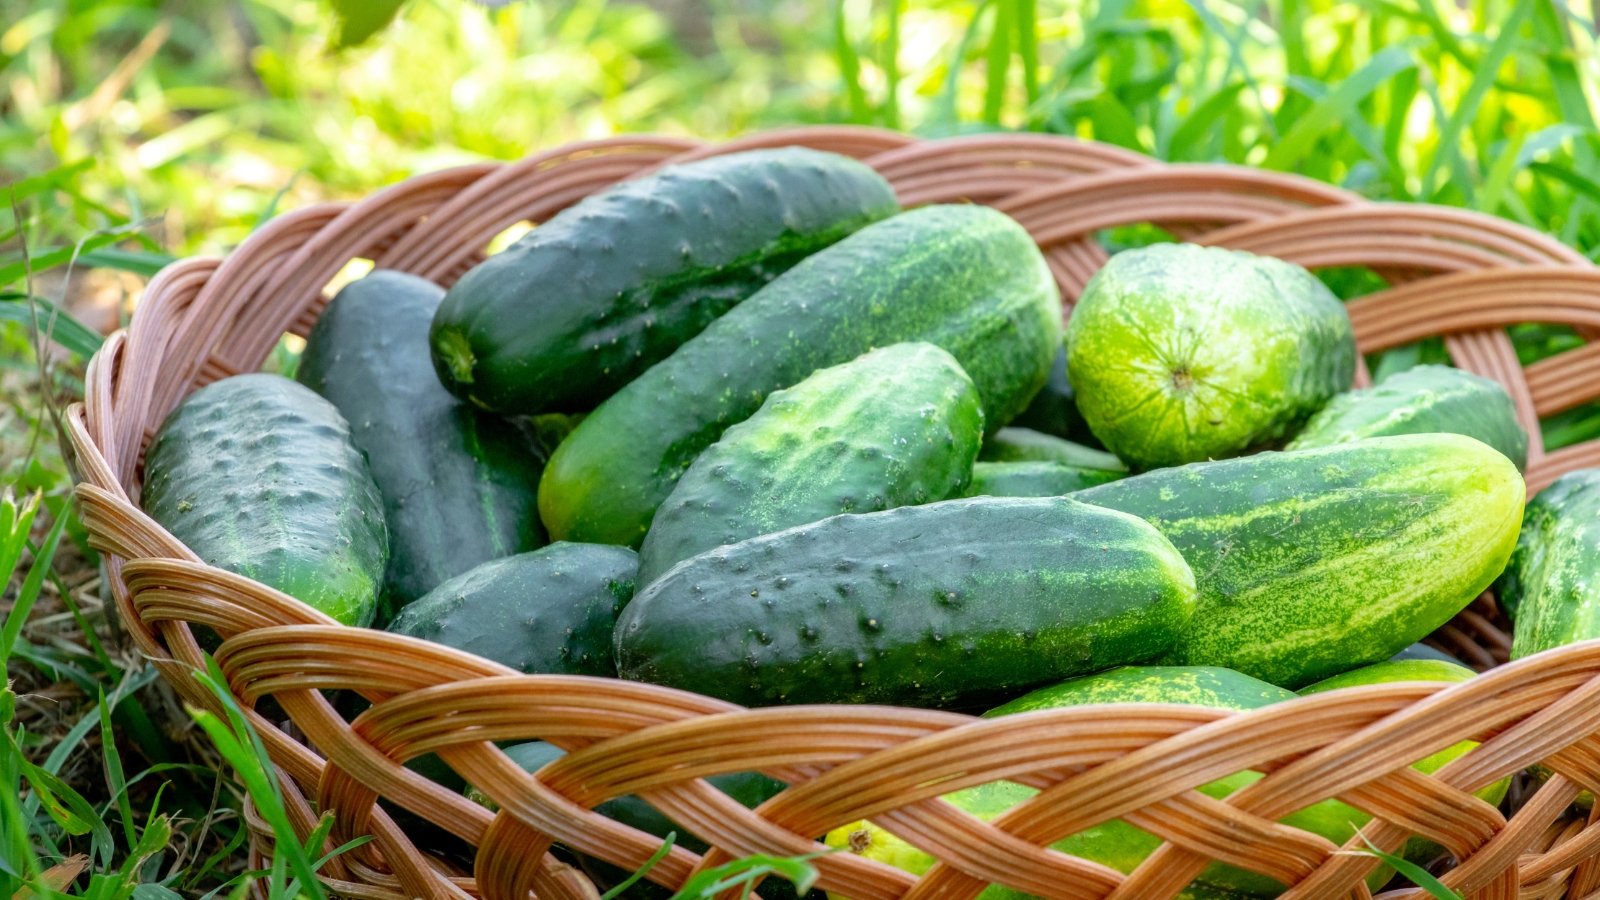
<point x="588" y="300"/>
<point x="1552" y="585"/>
<point x="894" y="427"/>
<point x="1422" y="400"/>
<point x="1033" y="479"/>
<point x="965" y="278"/>
<point x="459" y="485"/>
<point x="1180" y="353"/>
<point x="551" y="611"/>
<point x="1309" y="562"/>
<point x="1026" y="445"/>
<point x="258" y="475"/>
<point x="921" y="605"/>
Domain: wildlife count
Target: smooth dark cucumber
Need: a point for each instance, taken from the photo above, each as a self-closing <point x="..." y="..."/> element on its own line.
<point x="1423" y="400"/>
<point x="895" y="427"/>
<point x="1551" y="587"/>
<point x="1054" y="409"/>
<point x="1033" y="479"/>
<point x="1026" y="445"/>
<point x="459" y="485"/>
<point x="549" y="611"/>
<point x="921" y="605"/>
<point x="258" y="475"/>
<point x="965" y="278"/>
<point x="588" y="300"/>
<point x="1309" y="562"/>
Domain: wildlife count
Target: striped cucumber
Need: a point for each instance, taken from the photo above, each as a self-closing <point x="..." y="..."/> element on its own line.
<point x="1309" y="562"/>
<point x="1552" y="585"/>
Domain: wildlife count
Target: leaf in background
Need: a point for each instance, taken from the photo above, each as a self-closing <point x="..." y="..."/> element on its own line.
<point x="361" y="19"/>
<point x="54" y="323"/>
<point x="1330" y="110"/>
<point x="146" y="264"/>
<point x="1418" y="875"/>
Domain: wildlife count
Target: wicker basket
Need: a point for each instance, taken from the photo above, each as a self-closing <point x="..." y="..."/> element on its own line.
<point x="1453" y="273"/>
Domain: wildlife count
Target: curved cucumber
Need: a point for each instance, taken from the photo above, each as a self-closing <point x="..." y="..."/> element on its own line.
<point x="965" y="278"/>
<point x="1026" y="445"/>
<point x="1423" y="400"/>
<point x="551" y="610"/>
<point x="1552" y="584"/>
<point x="258" y="475"/>
<point x="1309" y="562"/>
<point x="1181" y="353"/>
<point x="588" y="300"/>
<point x="458" y="485"/>
<point x="1033" y="479"/>
<point x="895" y="427"/>
<point x="922" y="605"/>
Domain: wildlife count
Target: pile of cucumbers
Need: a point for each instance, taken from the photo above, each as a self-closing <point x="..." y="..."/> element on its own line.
<point x="745" y="427"/>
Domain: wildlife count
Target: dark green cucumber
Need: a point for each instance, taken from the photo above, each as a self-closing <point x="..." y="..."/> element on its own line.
<point x="1033" y="479"/>
<point x="459" y="485"/>
<point x="1424" y="652"/>
<point x="965" y="278"/>
<point x="1552" y="585"/>
<point x="895" y="427"/>
<point x="588" y="300"/>
<point x="1422" y="400"/>
<point x="1180" y="353"/>
<point x="549" y="611"/>
<point x="921" y="605"/>
<point x="1026" y="445"/>
<point x="258" y="475"/>
<point x="1309" y="562"/>
<point x="1054" y="409"/>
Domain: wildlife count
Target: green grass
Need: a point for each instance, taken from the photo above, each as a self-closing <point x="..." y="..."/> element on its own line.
<point x="133" y="132"/>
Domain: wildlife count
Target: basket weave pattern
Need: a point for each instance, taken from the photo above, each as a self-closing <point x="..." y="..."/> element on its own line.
<point x="1453" y="273"/>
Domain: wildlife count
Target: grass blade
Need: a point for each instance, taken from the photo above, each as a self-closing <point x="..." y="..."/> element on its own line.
<point x="1292" y="148"/>
<point x="1483" y="78"/>
<point x="996" y="63"/>
<point x="55" y="323"/>
<point x="656" y="857"/>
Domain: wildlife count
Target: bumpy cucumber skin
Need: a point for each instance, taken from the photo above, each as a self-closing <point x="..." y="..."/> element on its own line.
<point x="1015" y="444"/>
<point x="1423" y="400"/>
<point x="1033" y="479"/>
<point x="548" y="611"/>
<point x="965" y="278"/>
<point x="258" y="475"/>
<point x="1180" y="353"/>
<point x="1054" y="409"/>
<point x="894" y="427"/>
<point x="588" y="300"/>
<point x="1310" y="562"/>
<point x="459" y="486"/>
<point x="921" y="605"/>
<point x="1551" y="587"/>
